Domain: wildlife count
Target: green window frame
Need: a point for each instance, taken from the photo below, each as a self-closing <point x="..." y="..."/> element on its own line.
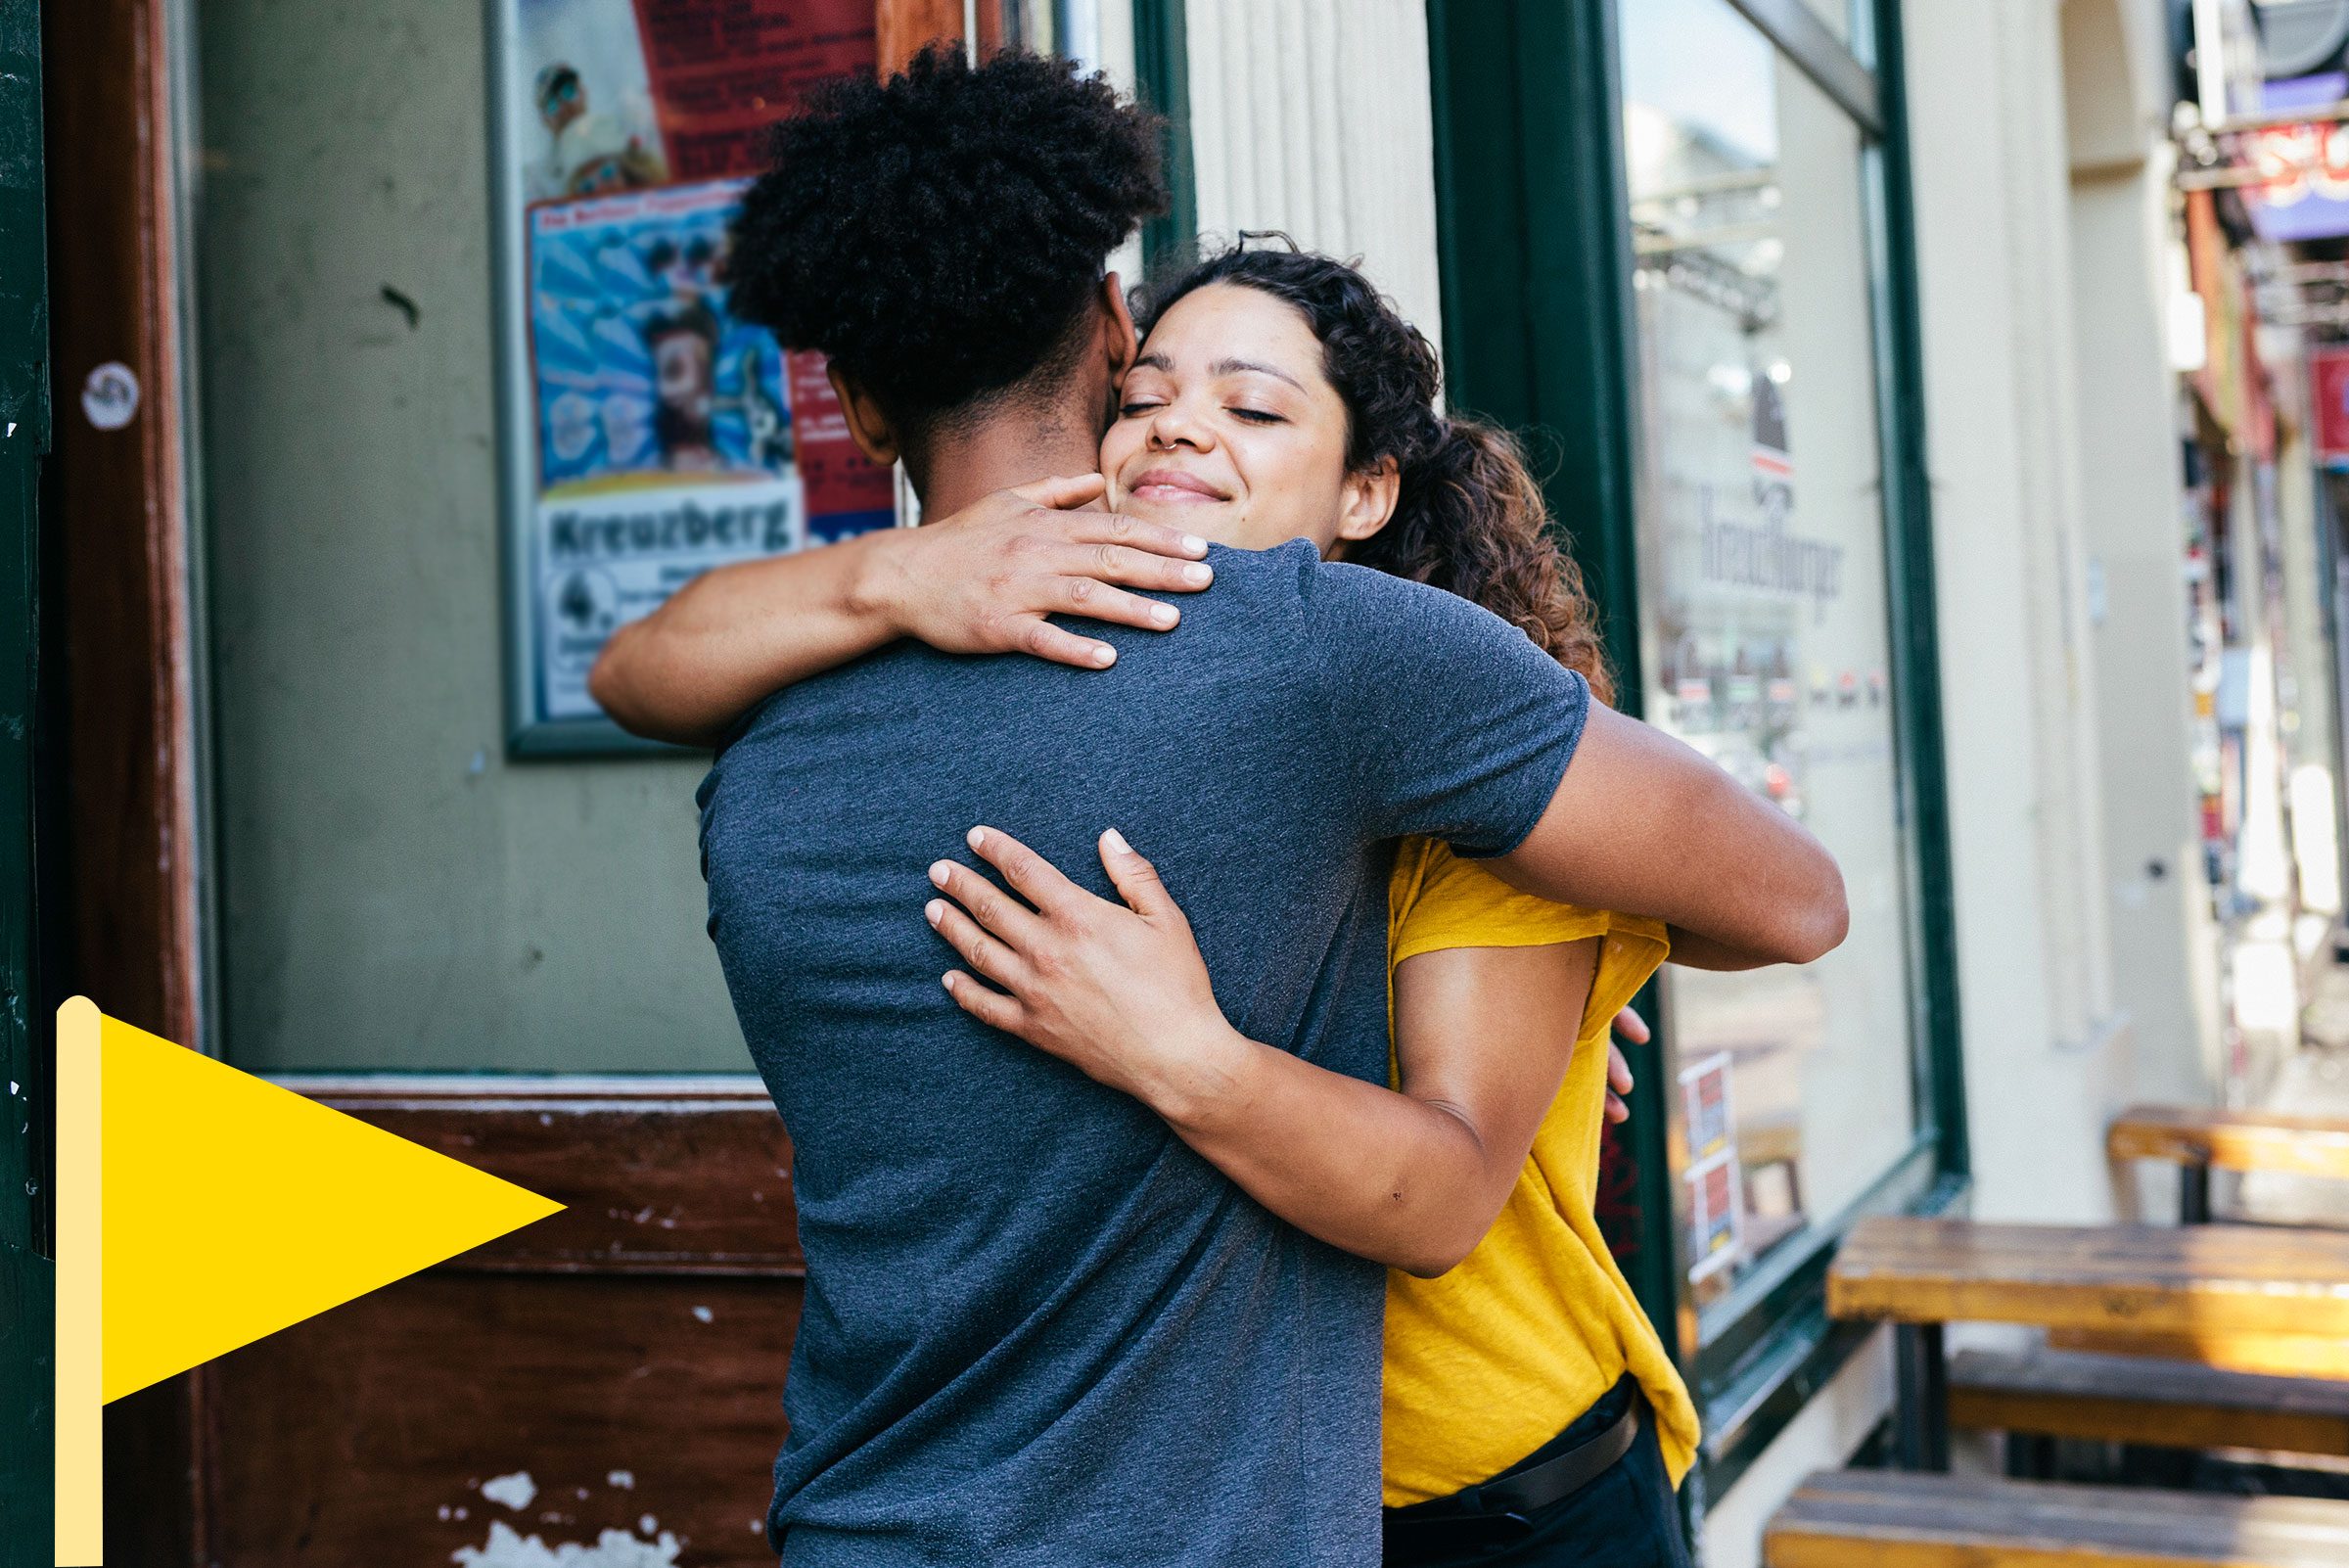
<point x="1539" y="329"/>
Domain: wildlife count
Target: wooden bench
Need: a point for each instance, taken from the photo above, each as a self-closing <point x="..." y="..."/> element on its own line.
<point x="2195" y="1281"/>
<point x="2197" y="1139"/>
<point x="1892" y="1519"/>
<point x="2046" y="1394"/>
<point x="2275" y="1355"/>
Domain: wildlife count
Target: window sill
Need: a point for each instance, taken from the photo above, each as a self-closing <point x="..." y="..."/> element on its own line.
<point x="1792" y="1351"/>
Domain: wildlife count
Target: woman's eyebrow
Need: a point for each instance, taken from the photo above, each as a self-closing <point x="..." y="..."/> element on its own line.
<point x="1233" y="367"/>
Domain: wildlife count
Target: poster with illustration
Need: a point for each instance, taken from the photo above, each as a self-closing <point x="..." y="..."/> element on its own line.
<point x="651" y="434"/>
<point x="1716" y="1215"/>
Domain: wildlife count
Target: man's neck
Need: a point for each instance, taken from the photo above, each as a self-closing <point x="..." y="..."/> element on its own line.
<point x="1007" y="449"/>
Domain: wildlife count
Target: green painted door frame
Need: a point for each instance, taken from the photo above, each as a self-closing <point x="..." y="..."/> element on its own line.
<point x="1540" y="334"/>
<point x="1162" y="74"/>
<point x="27" y="1443"/>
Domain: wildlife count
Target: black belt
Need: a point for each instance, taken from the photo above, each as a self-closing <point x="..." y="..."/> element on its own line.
<point x="1508" y="1502"/>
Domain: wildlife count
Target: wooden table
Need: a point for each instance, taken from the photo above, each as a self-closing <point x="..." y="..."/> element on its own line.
<point x="2186" y="1282"/>
<point x="2196" y="1139"/>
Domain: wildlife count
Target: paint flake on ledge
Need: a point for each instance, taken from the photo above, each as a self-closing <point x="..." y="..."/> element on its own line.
<point x="514" y="1491"/>
<point x="614" y="1549"/>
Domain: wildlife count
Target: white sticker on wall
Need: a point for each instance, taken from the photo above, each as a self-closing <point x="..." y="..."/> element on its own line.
<point x="110" y="395"/>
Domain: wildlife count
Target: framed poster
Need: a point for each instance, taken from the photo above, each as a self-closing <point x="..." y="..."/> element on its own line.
<point x="1715" y="1179"/>
<point x="647" y="434"/>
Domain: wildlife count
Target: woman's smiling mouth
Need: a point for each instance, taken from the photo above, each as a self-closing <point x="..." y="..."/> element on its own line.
<point x="1174" y="487"/>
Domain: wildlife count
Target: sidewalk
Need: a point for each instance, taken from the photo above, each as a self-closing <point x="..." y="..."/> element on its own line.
<point x="2312" y="1082"/>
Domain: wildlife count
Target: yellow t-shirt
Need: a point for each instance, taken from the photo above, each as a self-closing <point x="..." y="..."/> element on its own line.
<point x="1491" y="1359"/>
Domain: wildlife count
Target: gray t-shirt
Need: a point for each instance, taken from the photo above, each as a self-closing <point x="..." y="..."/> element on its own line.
<point x="1038" y="1330"/>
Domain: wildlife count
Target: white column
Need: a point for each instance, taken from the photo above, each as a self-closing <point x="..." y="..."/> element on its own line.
<point x="2163" y="944"/>
<point x="2029" y="121"/>
<point x="2017" y="669"/>
<point x="1312" y="117"/>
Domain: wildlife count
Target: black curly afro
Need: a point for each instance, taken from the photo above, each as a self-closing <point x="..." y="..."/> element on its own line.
<point x="937" y="233"/>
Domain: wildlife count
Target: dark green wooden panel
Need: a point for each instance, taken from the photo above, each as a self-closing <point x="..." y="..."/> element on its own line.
<point x="1537" y="264"/>
<point x="1915" y="638"/>
<point x="26" y="1295"/>
<point x="27" y="1432"/>
<point x="1162" y="73"/>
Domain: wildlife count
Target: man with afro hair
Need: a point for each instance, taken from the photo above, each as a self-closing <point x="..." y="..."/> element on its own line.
<point x="943" y="237"/>
<point x="1038" y="1330"/>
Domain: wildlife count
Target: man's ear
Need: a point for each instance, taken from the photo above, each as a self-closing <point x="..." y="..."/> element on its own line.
<point x="1366" y="501"/>
<point x="1122" y="347"/>
<point x="875" y="437"/>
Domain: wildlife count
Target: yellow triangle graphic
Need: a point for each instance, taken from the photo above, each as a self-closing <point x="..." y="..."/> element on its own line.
<point x="234" y="1207"/>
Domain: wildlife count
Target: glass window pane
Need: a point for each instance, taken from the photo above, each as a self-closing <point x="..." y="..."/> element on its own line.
<point x="1764" y="601"/>
<point x="1836" y="14"/>
<point x="397" y="891"/>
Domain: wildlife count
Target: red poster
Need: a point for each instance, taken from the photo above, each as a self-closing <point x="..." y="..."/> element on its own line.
<point x="724" y="70"/>
<point x="661" y="436"/>
<point x="844" y="488"/>
<point x="2328" y="399"/>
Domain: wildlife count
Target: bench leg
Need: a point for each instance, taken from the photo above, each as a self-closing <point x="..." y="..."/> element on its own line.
<point x="2194" y="1194"/>
<point x="2030" y="1457"/>
<point x="1921" y="1416"/>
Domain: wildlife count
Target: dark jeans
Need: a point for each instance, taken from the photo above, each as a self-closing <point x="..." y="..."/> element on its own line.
<point x="1626" y="1518"/>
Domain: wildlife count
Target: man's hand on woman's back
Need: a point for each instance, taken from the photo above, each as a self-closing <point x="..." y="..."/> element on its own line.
<point x="984" y="580"/>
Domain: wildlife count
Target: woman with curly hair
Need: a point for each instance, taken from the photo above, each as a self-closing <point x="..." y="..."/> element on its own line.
<point x="1530" y="1414"/>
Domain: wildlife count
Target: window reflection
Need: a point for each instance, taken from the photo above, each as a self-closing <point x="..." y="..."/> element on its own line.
<point x="1763" y="603"/>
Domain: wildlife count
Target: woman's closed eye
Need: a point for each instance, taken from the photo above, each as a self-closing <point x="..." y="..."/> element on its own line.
<point x="1136" y="408"/>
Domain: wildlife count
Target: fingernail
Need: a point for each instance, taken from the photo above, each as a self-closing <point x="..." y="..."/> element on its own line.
<point x="1117" y="842"/>
<point x="1199" y="573"/>
<point x="977" y="837"/>
<point x="1195" y="544"/>
<point x="934" y="911"/>
<point x="947" y="979"/>
<point x="1105" y="656"/>
<point x="1163" y="615"/>
<point x="938" y="872"/>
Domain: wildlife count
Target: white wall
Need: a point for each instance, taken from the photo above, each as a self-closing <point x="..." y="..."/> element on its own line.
<point x="1313" y="117"/>
<point x="2164" y="961"/>
<point x="1112" y="55"/>
<point x="2043" y="1056"/>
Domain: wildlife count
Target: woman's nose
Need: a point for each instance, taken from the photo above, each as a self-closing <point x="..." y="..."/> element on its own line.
<point x="1172" y="426"/>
